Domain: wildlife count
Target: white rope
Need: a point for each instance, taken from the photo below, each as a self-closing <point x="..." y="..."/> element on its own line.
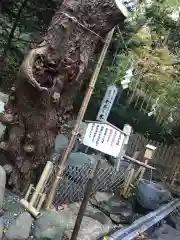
<point x="74" y="19"/>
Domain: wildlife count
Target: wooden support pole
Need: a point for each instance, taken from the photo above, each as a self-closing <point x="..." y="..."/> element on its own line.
<point x="143" y="169"/>
<point x="148" y="155"/>
<point x="143" y="164"/>
<point x="128" y="183"/>
<point x="79" y="119"/>
<point x="132" y="179"/>
<point x="136" y="174"/>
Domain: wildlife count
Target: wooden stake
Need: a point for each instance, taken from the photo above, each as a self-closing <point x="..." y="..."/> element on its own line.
<point x="142" y="172"/>
<point x="79" y="118"/>
<point x="128" y="182"/>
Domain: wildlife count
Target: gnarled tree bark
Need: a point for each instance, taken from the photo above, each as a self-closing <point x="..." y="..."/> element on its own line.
<point x="48" y="80"/>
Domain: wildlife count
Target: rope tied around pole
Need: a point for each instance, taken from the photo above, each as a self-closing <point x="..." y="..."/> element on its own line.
<point x="74" y="19"/>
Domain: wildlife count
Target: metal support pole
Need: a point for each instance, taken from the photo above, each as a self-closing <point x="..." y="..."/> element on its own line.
<point x="84" y="201"/>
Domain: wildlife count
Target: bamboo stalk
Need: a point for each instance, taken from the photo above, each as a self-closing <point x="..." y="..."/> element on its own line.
<point x="143" y="169"/>
<point x="128" y="182"/>
<point x="42" y="199"/>
<point x="79" y="119"/>
<point x="136" y="174"/>
<point x="28" y="191"/>
<point x="41" y="182"/>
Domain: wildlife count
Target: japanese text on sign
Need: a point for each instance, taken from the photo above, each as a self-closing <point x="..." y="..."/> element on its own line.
<point x="104" y="138"/>
<point x="107" y="103"/>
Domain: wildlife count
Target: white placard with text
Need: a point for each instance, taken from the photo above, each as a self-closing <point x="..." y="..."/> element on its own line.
<point x="104" y="138"/>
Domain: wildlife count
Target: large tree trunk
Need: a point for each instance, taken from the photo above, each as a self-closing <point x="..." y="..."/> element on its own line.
<point x="49" y="79"/>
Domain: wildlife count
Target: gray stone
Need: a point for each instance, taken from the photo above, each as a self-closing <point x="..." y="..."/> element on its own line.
<point x="51" y="225"/>
<point x="13" y="209"/>
<point x="91" y="212"/>
<point x="99" y="216"/>
<point x="82" y="128"/>
<point x="173" y="220"/>
<point x="117" y="206"/>
<point x="78" y="158"/>
<point x="78" y="167"/>
<point x="103" y="196"/>
<point x="2" y="185"/>
<point x="72" y="208"/>
<point x="90" y="229"/>
<point x="166" y="233"/>
<point x="20" y="228"/>
<point x="116" y="218"/>
<point x="151" y="195"/>
<point x="103" y="161"/>
<point x="1" y="227"/>
<point x="8" y="168"/>
<point x="61" y="143"/>
<point x="95" y="223"/>
<point x="4" y="97"/>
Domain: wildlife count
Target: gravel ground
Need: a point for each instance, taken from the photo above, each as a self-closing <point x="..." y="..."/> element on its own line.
<point x="12" y="207"/>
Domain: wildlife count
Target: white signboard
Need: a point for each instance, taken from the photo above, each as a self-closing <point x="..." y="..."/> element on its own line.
<point x="107" y="103"/>
<point x="104" y="138"/>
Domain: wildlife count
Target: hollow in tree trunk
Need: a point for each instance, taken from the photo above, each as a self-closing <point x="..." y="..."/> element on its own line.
<point x="48" y="80"/>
